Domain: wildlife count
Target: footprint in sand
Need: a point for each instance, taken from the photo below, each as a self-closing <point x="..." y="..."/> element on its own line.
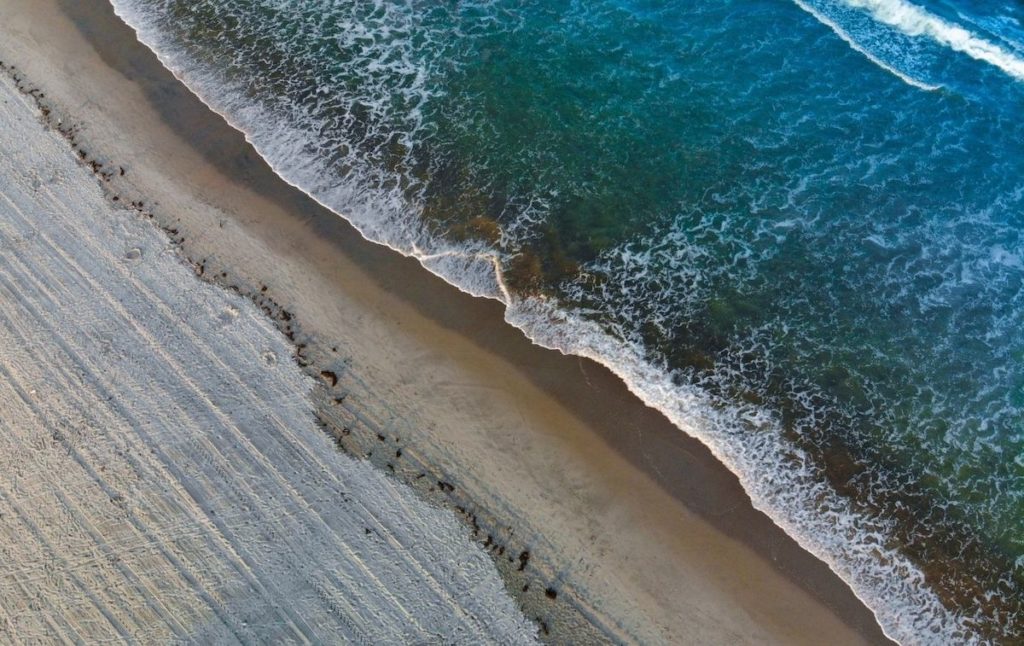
<point x="228" y="315"/>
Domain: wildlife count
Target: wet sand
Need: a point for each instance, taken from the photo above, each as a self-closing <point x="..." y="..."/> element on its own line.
<point x="605" y="520"/>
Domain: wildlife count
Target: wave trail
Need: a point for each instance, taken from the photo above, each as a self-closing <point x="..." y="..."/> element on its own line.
<point x="916" y="22"/>
<point x="849" y="40"/>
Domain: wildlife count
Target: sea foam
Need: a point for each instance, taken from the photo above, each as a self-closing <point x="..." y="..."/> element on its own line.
<point x="913" y="22"/>
<point x="852" y="42"/>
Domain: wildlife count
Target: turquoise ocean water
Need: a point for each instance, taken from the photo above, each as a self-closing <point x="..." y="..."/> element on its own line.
<point x="794" y="226"/>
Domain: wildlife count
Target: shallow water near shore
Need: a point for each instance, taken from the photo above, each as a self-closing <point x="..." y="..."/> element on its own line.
<point x="791" y="227"/>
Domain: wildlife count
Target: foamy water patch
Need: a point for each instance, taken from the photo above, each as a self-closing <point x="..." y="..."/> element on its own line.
<point x="915" y="21"/>
<point x="780" y="479"/>
<point x="856" y="46"/>
<point x="906" y="39"/>
<point x="380" y="208"/>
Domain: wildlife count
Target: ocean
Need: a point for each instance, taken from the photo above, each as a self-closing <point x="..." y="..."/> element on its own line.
<point x="793" y="226"/>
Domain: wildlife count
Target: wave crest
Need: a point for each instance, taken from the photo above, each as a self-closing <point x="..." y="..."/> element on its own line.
<point x="901" y="38"/>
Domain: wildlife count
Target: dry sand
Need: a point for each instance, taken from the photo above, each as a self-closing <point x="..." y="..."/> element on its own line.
<point x="161" y="473"/>
<point x="624" y="528"/>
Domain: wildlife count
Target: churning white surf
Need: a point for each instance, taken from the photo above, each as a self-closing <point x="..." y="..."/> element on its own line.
<point x="852" y="42"/>
<point x="916" y="22"/>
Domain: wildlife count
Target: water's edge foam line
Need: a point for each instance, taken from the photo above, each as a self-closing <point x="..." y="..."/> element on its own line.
<point x="531" y="317"/>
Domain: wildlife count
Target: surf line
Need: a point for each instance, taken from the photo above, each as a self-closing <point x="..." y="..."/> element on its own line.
<point x="915" y="21"/>
<point x="911" y="20"/>
<point x="849" y="40"/>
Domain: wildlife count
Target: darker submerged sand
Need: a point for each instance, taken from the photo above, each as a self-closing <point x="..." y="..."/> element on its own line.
<point x="606" y="520"/>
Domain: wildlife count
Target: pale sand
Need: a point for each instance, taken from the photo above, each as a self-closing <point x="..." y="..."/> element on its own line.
<point x="162" y="477"/>
<point x="641" y="533"/>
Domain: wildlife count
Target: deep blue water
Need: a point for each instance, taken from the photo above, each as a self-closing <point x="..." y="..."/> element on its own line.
<point x="795" y="226"/>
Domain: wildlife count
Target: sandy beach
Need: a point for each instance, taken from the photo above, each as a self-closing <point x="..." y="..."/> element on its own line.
<point x="605" y="522"/>
<point x="164" y="479"/>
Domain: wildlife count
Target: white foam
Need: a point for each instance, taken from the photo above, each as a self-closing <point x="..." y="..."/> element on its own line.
<point x="849" y="40"/>
<point x="916" y="22"/>
<point x="780" y="479"/>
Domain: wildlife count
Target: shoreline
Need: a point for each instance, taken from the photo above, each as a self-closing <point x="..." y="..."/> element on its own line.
<point x="808" y="509"/>
<point x="580" y="410"/>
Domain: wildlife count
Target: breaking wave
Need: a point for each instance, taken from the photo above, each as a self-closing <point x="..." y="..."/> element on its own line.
<point x="903" y="38"/>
